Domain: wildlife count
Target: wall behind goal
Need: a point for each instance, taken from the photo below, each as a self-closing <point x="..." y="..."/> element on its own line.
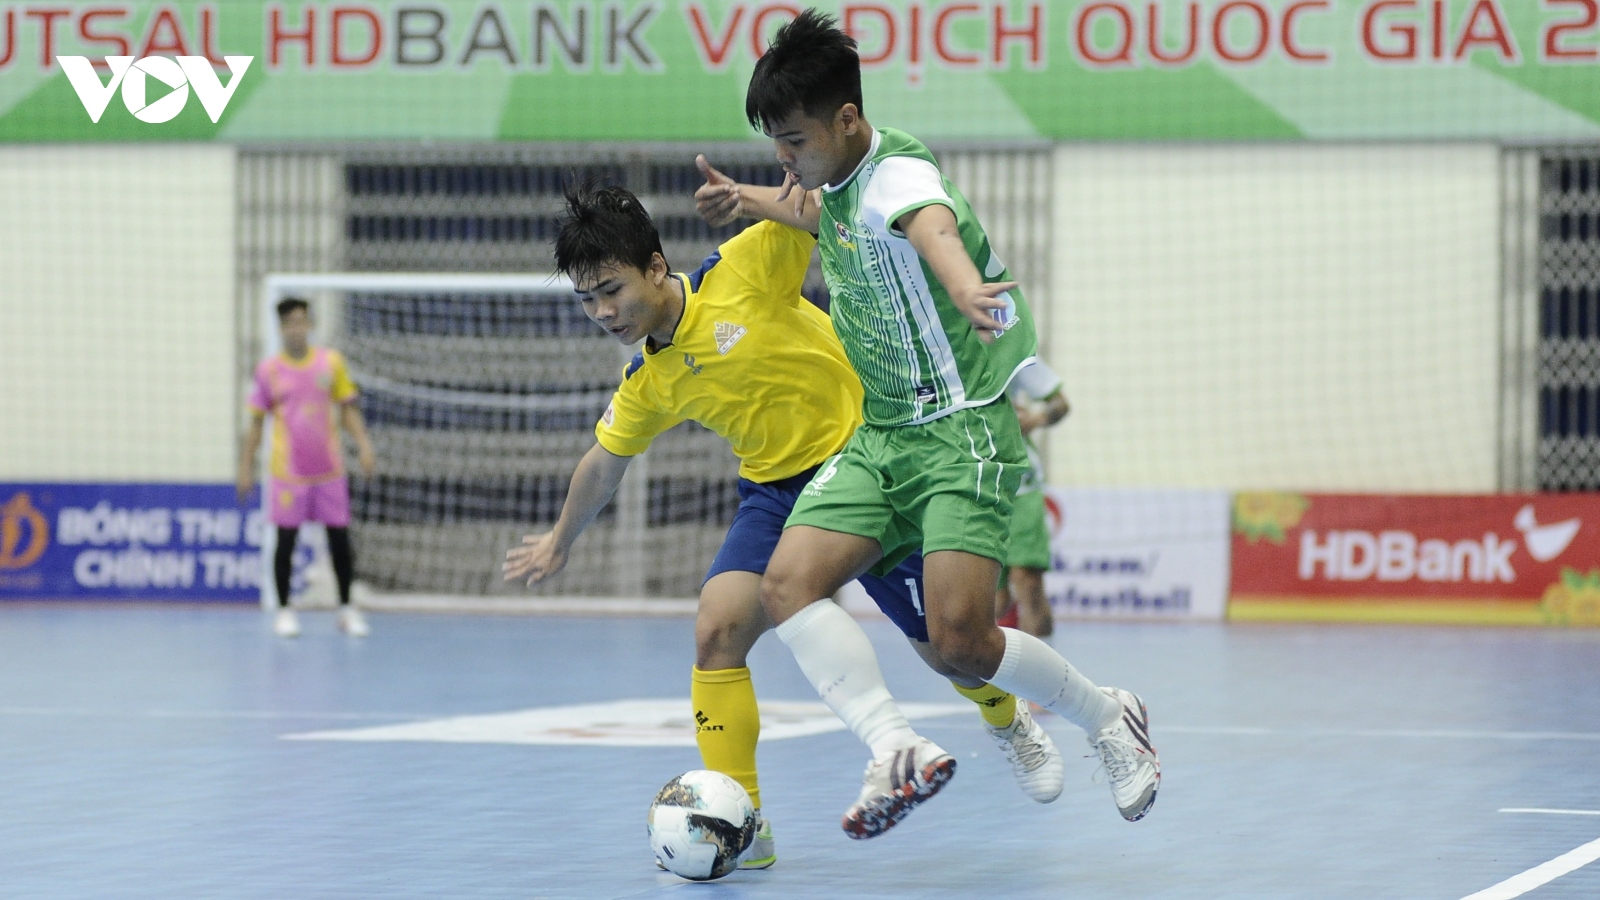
<point x="1298" y="317"/>
<point x="116" y="313"/>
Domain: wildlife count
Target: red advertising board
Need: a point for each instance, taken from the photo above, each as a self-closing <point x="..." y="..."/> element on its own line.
<point x="1486" y="559"/>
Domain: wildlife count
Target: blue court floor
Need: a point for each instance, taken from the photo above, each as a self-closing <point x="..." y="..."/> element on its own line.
<point x="144" y="753"/>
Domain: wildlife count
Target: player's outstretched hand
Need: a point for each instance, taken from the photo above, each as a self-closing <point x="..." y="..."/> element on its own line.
<point x="245" y="484"/>
<point x="368" y="461"/>
<point x="989" y="313"/>
<point x="717" y="201"/>
<point x="538" y="558"/>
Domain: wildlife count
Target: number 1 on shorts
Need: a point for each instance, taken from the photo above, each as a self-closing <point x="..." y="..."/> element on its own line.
<point x="916" y="599"/>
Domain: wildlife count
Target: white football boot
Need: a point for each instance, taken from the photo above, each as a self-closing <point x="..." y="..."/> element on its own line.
<point x="352" y="622"/>
<point x="1034" y="758"/>
<point x="762" y="852"/>
<point x="1130" y="761"/>
<point x="895" y="785"/>
<point x="286" y="623"/>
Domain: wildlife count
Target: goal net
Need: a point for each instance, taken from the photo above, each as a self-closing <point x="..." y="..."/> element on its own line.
<point x="480" y="393"/>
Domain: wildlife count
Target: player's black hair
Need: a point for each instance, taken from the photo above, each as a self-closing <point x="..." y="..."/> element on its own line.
<point x="290" y="304"/>
<point x="812" y="66"/>
<point x="604" y="226"/>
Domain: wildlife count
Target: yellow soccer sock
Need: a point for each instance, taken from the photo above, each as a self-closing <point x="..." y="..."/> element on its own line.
<point x="727" y="725"/>
<point x="997" y="707"/>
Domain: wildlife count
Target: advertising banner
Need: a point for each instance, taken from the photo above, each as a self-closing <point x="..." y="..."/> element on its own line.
<point x="656" y="70"/>
<point x="128" y="542"/>
<point x="1146" y="554"/>
<point x="1519" y="559"/>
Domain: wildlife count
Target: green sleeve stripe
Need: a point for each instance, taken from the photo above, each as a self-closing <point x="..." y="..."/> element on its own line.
<point x="891" y="220"/>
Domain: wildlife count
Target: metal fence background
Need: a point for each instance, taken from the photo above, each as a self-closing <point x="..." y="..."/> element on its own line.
<point x="454" y="490"/>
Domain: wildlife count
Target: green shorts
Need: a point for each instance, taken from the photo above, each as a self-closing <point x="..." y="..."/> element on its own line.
<point x="1030" y="533"/>
<point x="946" y="485"/>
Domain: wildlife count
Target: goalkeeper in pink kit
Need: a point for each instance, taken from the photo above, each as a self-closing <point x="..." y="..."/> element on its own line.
<point x="305" y="388"/>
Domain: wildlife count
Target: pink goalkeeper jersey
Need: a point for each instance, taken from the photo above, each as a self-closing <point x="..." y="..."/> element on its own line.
<point x="301" y="396"/>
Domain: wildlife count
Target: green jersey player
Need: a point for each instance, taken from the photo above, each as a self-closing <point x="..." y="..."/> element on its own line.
<point x="1021" y="602"/>
<point x="936" y="331"/>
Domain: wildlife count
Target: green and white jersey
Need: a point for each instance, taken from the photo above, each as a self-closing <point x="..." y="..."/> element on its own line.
<point x="917" y="356"/>
<point x="1037" y="382"/>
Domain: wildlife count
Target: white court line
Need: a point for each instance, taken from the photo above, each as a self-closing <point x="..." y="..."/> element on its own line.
<point x="201" y="714"/>
<point x="640" y="722"/>
<point x="1517" y="885"/>
<point x="547" y="606"/>
<point x="1217" y="729"/>
<point x="1429" y="734"/>
<point x="1223" y="730"/>
<point x="1552" y="812"/>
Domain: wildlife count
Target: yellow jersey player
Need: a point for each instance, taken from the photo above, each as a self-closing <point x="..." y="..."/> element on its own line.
<point x="734" y="347"/>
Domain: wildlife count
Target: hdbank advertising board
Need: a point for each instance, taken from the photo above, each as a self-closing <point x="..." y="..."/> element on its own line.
<point x="128" y="542"/>
<point x="1509" y="559"/>
<point x="1143" y="554"/>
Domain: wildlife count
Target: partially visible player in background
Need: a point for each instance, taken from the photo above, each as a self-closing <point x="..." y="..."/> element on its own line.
<point x="735" y="347"/>
<point x="1021" y="602"/>
<point x="305" y="388"/>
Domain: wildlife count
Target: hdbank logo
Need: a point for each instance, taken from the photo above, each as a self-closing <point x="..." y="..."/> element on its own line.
<point x="24" y="533"/>
<point x="1545" y="542"/>
<point x="1404" y="555"/>
<point x="133" y="77"/>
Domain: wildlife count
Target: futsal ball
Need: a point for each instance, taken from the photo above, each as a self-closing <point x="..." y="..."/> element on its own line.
<point x="699" y="824"/>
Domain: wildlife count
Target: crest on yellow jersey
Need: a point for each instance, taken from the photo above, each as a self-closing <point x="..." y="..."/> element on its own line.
<point x="728" y="334"/>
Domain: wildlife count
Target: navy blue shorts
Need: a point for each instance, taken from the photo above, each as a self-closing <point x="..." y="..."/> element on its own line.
<point x="763" y="508"/>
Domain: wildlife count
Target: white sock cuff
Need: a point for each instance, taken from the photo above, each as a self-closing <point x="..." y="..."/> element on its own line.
<point x="1013" y="655"/>
<point x="805" y="618"/>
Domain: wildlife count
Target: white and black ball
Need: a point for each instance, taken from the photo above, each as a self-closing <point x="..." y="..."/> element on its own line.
<point x="699" y="824"/>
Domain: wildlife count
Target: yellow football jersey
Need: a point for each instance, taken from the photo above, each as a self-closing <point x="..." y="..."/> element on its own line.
<point x="750" y="360"/>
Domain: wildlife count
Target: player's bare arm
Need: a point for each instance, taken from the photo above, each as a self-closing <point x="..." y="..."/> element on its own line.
<point x="356" y="427"/>
<point x="248" y="448"/>
<point x="721" y="200"/>
<point x="1053" y="410"/>
<point x="593" y="483"/>
<point x="932" y="231"/>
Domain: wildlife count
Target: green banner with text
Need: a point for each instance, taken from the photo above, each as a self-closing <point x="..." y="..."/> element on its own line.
<point x="576" y="70"/>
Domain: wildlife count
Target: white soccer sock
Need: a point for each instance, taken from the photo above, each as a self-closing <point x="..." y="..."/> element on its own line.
<point x="1033" y="670"/>
<point x="836" y="656"/>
